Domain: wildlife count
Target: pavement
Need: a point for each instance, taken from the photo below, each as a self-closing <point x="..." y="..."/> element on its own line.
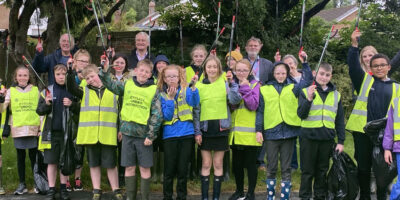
<point x="86" y="195"/>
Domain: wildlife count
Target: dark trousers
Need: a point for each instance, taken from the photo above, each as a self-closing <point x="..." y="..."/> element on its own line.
<point x="294" y="164"/>
<point x="261" y="156"/>
<point x="282" y="149"/>
<point x="21" y="154"/>
<point x="363" y="155"/>
<point x="315" y="155"/>
<point x="177" y="153"/>
<point x="245" y="157"/>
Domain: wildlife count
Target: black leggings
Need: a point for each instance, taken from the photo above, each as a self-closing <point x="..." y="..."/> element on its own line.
<point x="21" y="153"/>
<point x="245" y="157"/>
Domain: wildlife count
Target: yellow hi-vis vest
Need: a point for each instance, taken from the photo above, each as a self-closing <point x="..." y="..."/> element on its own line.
<point x="190" y="73"/>
<point x="244" y="126"/>
<point x="42" y="145"/>
<point x="358" y="117"/>
<point x="23" y="107"/>
<point x="98" y="118"/>
<point x="322" y="113"/>
<point x="213" y="100"/>
<point x="396" y="119"/>
<point x="281" y="107"/>
<point x="3" y="119"/>
<point x="182" y="111"/>
<point x="137" y="102"/>
<point x="83" y="83"/>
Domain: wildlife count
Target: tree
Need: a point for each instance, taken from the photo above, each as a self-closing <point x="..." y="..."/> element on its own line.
<point x="78" y="13"/>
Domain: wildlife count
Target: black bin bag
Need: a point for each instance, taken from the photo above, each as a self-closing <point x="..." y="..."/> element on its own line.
<point x="67" y="157"/>
<point x="342" y="177"/>
<point x="40" y="174"/>
<point x="384" y="173"/>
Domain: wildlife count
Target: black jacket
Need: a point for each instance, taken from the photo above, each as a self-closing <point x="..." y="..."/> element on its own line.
<point x="133" y="59"/>
<point x="322" y="133"/>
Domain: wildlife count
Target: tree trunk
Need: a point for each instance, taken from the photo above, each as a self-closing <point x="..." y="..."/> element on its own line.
<point x="54" y="27"/>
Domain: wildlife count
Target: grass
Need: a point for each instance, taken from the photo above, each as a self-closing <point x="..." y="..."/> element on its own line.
<point x="10" y="174"/>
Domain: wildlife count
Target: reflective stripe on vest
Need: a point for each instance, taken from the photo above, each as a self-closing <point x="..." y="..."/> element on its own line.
<point x="244" y="126"/>
<point x="23" y="107"/>
<point x="137" y="102"/>
<point x="322" y="114"/>
<point x="358" y="117"/>
<point x="281" y="107"/>
<point x="213" y="100"/>
<point x="98" y="118"/>
<point x="182" y="110"/>
<point x="396" y="119"/>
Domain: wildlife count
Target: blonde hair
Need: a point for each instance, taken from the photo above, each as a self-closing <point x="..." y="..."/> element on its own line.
<point x="82" y="52"/>
<point x="89" y="69"/>
<point x="146" y="63"/>
<point x="243" y="61"/>
<point x="216" y="59"/>
<point x="181" y="72"/>
<point x="198" y="47"/>
<point x="363" y="50"/>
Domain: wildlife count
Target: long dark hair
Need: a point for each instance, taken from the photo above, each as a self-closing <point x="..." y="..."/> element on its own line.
<point x="123" y="56"/>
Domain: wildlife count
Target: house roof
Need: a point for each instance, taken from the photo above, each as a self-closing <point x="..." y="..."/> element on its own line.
<point x="337" y="14"/>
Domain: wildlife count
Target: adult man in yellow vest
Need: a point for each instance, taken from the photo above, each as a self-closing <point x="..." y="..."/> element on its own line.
<point x="374" y="94"/>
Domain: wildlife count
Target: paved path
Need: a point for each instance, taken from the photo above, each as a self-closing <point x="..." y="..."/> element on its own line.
<point x="84" y="195"/>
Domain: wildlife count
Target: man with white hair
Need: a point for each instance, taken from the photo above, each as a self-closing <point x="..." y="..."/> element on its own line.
<point x="43" y="64"/>
<point x="140" y="52"/>
<point x="262" y="68"/>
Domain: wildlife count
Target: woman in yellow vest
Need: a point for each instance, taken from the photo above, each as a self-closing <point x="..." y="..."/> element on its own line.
<point x="277" y="120"/>
<point x="177" y="101"/>
<point x="23" y="98"/>
<point x="374" y="94"/>
<point x="215" y="122"/>
<point x="242" y="138"/>
<point x="97" y="127"/>
<point x="321" y="111"/>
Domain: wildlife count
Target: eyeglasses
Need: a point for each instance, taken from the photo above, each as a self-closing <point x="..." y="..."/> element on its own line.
<point x="379" y="66"/>
<point x="242" y="71"/>
<point x="171" y="77"/>
<point x="83" y="61"/>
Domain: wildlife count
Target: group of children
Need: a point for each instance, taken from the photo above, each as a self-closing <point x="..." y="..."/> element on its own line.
<point x="214" y="108"/>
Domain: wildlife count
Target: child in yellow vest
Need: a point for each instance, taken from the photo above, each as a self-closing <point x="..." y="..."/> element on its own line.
<point x="321" y="111"/>
<point x="141" y="118"/>
<point x="23" y="98"/>
<point x="4" y="130"/>
<point x="198" y="55"/>
<point x="215" y="122"/>
<point x="53" y="105"/>
<point x="97" y="127"/>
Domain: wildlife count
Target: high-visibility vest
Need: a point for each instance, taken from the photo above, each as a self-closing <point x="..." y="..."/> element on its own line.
<point x="83" y="83"/>
<point x="213" y="100"/>
<point x="396" y="119"/>
<point x="190" y="73"/>
<point x="281" y="107"/>
<point x="23" y="107"/>
<point x="98" y="118"/>
<point x="358" y="117"/>
<point x="182" y="111"/>
<point x="42" y="145"/>
<point x="244" y="125"/>
<point x="322" y="114"/>
<point x="137" y="102"/>
<point x="3" y="119"/>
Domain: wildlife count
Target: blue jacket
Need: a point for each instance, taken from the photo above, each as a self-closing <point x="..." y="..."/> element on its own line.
<point x="43" y="64"/>
<point x="283" y="130"/>
<point x="179" y="128"/>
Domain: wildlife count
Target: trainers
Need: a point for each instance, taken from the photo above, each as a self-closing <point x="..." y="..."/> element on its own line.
<point x="2" y="191"/>
<point x="237" y="196"/>
<point x="64" y="195"/>
<point x="118" y="195"/>
<point x="21" y="189"/>
<point x="96" y="194"/>
<point x="36" y="190"/>
<point x="250" y="196"/>
<point x="78" y="185"/>
<point x="68" y="186"/>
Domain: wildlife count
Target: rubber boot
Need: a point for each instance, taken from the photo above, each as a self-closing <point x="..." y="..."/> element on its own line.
<point x="145" y="188"/>
<point x="217" y="186"/>
<point x="205" y="183"/>
<point x="130" y="187"/>
<point x="271" y="189"/>
<point x="285" y="190"/>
